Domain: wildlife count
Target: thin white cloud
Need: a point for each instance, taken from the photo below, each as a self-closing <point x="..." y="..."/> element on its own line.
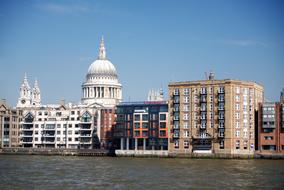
<point x="245" y="43"/>
<point x="63" y="8"/>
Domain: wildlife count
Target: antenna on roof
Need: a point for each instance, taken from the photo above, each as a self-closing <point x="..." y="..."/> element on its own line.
<point x="206" y="76"/>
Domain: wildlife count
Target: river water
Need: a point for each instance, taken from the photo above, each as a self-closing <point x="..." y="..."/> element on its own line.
<point x="59" y="172"/>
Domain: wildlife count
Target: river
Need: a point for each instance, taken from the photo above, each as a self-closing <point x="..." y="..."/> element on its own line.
<point x="70" y="172"/>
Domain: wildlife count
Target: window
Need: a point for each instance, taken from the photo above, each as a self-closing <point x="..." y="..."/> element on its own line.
<point x="245" y="134"/>
<point x="176" y="99"/>
<point x="237" y="124"/>
<point x="237" y="89"/>
<point x="144" y="133"/>
<point x="69" y="132"/>
<point x="237" y="144"/>
<point x="185" y="125"/>
<point x="237" y="98"/>
<point x="72" y="112"/>
<point x="237" y="106"/>
<point x="137" y="133"/>
<point x="186" y="91"/>
<point x="237" y="134"/>
<point x="137" y="117"/>
<point x="162" y="116"/>
<point x="76" y="139"/>
<point x="137" y="125"/>
<point x="162" y="125"/>
<point x="176" y="143"/>
<point x="40" y="113"/>
<point x="58" y="125"/>
<point x="185" y="116"/>
<point x="186" y="144"/>
<point x="268" y="137"/>
<point x="69" y="139"/>
<point x="145" y="117"/>
<point x="162" y="133"/>
<point x="145" y="125"/>
<point x="36" y="139"/>
<point x="176" y="91"/>
<point x="58" y="132"/>
<point x="186" y="108"/>
<point x="58" y="138"/>
<point x="186" y="99"/>
<point x="237" y="115"/>
<point x="222" y="144"/>
<point x="70" y="125"/>
<point x="186" y="134"/>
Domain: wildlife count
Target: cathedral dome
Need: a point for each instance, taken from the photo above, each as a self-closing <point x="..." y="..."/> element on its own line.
<point x="102" y="85"/>
<point x="102" y="67"/>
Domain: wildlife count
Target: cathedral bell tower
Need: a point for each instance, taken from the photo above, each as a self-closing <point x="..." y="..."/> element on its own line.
<point x="25" y="94"/>
<point x="29" y="97"/>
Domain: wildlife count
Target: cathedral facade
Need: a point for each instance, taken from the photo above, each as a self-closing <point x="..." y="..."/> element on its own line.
<point x="84" y="125"/>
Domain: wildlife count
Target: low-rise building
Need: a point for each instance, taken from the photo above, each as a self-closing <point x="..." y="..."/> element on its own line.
<point x="9" y="125"/>
<point x="60" y="126"/>
<point x="271" y="127"/>
<point x="141" y="126"/>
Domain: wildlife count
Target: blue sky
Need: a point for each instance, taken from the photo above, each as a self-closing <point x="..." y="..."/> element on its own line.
<point x="150" y="42"/>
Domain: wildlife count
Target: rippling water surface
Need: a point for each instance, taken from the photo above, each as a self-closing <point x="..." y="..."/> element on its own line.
<point x="58" y="172"/>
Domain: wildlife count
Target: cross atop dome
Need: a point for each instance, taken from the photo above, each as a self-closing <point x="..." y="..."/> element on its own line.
<point x="102" y="51"/>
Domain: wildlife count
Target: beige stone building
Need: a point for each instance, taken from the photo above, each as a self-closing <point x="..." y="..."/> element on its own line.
<point x="9" y="125"/>
<point x="213" y="116"/>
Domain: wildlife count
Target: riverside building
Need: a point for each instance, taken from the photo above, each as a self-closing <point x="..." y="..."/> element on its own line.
<point x="87" y="124"/>
<point x="141" y="126"/>
<point x="9" y="125"/>
<point x="271" y="127"/>
<point x="213" y="116"/>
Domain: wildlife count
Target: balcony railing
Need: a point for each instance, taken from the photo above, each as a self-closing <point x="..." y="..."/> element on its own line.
<point x="221" y="135"/>
<point x="176" y="126"/>
<point x="176" y="135"/>
<point x="269" y="126"/>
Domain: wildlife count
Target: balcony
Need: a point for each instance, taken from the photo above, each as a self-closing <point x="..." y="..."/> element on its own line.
<point x="221" y="126"/>
<point x="176" y="101"/>
<point x="203" y="91"/>
<point x="176" y="135"/>
<point x="203" y="98"/>
<point x="48" y="142"/>
<point x="85" y="142"/>
<point x="49" y="135"/>
<point x="176" y="109"/>
<point x="221" y="135"/>
<point x="203" y="126"/>
<point x="221" y="108"/>
<point x="268" y="124"/>
<point x="221" y="90"/>
<point x="176" y="127"/>
<point x="85" y="135"/>
<point x="176" y="118"/>
<point x="27" y="128"/>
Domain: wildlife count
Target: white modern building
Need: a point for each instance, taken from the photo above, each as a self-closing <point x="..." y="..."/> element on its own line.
<point x="68" y="125"/>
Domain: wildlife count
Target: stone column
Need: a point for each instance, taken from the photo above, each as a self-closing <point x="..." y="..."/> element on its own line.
<point x="144" y="143"/>
<point x="136" y="143"/>
<point x="121" y="143"/>
<point x="127" y="143"/>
